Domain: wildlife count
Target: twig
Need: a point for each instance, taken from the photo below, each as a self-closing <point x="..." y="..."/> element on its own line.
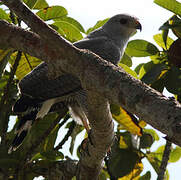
<point x="59" y="146"/>
<point x="29" y="64"/>
<point x="165" y="159"/>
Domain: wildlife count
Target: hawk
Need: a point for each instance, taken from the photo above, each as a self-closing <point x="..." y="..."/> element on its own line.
<point x="39" y="94"/>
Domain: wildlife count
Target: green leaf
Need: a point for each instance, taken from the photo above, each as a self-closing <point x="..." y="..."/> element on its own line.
<point x="126" y="120"/>
<point x="30" y="3"/>
<point x="103" y="175"/>
<point x="3" y="15"/>
<point x="128" y="70"/>
<point x="173" y="80"/>
<point x="77" y="129"/>
<point x="141" y="48"/>
<point x="161" y="42"/>
<point x="37" y="130"/>
<point x="146" y="176"/>
<point x="137" y="69"/>
<point x="26" y="64"/>
<point x="50" y="140"/>
<point x="176" y="24"/>
<point x="69" y="31"/>
<point x="72" y="22"/>
<point x="171" y="5"/>
<point x="126" y="60"/>
<point x="159" y="57"/>
<point x="40" y="4"/>
<point x="121" y="161"/>
<point x="159" y="84"/>
<point x="153" y="74"/>
<point x="174" y="53"/>
<point x="146" y="141"/>
<point x="153" y="133"/>
<point x="175" y="155"/>
<point x="145" y="68"/>
<point x="52" y="12"/>
<point x="97" y="25"/>
<point x="154" y="161"/>
<point x="52" y="155"/>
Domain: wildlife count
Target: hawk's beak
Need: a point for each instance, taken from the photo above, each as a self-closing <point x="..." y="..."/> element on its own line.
<point x="138" y="25"/>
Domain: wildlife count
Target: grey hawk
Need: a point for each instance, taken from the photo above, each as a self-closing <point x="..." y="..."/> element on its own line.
<point x="39" y="94"/>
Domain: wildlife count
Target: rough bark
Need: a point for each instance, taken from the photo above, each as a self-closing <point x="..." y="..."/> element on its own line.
<point x="103" y="81"/>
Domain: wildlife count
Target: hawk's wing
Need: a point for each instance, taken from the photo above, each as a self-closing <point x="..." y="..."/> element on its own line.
<point x="37" y="84"/>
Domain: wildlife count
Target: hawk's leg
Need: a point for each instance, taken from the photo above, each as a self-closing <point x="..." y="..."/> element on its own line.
<point x="79" y="116"/>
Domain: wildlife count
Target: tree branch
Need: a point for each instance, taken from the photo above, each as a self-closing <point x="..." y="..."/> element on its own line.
<point x="26" y="41"/>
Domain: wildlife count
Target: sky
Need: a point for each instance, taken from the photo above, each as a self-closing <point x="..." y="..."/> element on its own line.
<point x="150" y="15"/>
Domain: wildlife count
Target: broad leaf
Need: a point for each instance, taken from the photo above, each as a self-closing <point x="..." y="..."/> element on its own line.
<point x="37" y="130"/>
<point x="175" y="21"/>
<point x="135" y="173"/>
<point x="26" y="64"/>
<point x="153" y="133"/>
<point x="154" y="73"/>
<point x="30" y="3"/>
<point x="138" y="67"/>
<point x="173" y="80"/>
<point x="126" y="119"/>
<point x="52" y="12"/>
<point x="171" y="5"/>
<point x="154" y="161"/>
<point x="146" y="141"/>
<point x="161" y="42"/>
<point x="174" y="53"/>
<point x="128" y="70"/>
<point x="71" y="21"/>
<point x="97" y="25"/>
<point x="146" y="176"/>
<point x="4" y="15"/>
<point x="52" y="155"/>
<point x="121" y="161"/>
<point x="40" y="4"/>
<point x="76" y="130"/>
<point x="50" y="140"/>
<point x="145" y="68"/>
<point x="175" y="155"/>
<point x="141" y="48"/>
<point x="69" y="31"/>
<point x="126" y="60"/>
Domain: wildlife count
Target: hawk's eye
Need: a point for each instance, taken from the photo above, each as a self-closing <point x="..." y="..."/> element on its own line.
<point x="123" y="21"/>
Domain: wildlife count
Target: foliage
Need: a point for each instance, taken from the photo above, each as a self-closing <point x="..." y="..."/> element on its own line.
<point x="125" y="162"/>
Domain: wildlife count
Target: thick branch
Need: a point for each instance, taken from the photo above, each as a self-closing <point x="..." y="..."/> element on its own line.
<point x="37" y="25"/>
<point x="17" y="38"/>
<point x="102" y="136"/>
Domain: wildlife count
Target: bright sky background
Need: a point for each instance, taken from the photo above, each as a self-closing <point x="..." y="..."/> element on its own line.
<point x="151" y="17"/>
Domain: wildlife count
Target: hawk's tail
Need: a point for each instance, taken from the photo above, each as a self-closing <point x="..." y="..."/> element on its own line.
<point x="27" y="109"/>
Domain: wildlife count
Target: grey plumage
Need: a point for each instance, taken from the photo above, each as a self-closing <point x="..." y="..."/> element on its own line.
<point x="39" y="93"/>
